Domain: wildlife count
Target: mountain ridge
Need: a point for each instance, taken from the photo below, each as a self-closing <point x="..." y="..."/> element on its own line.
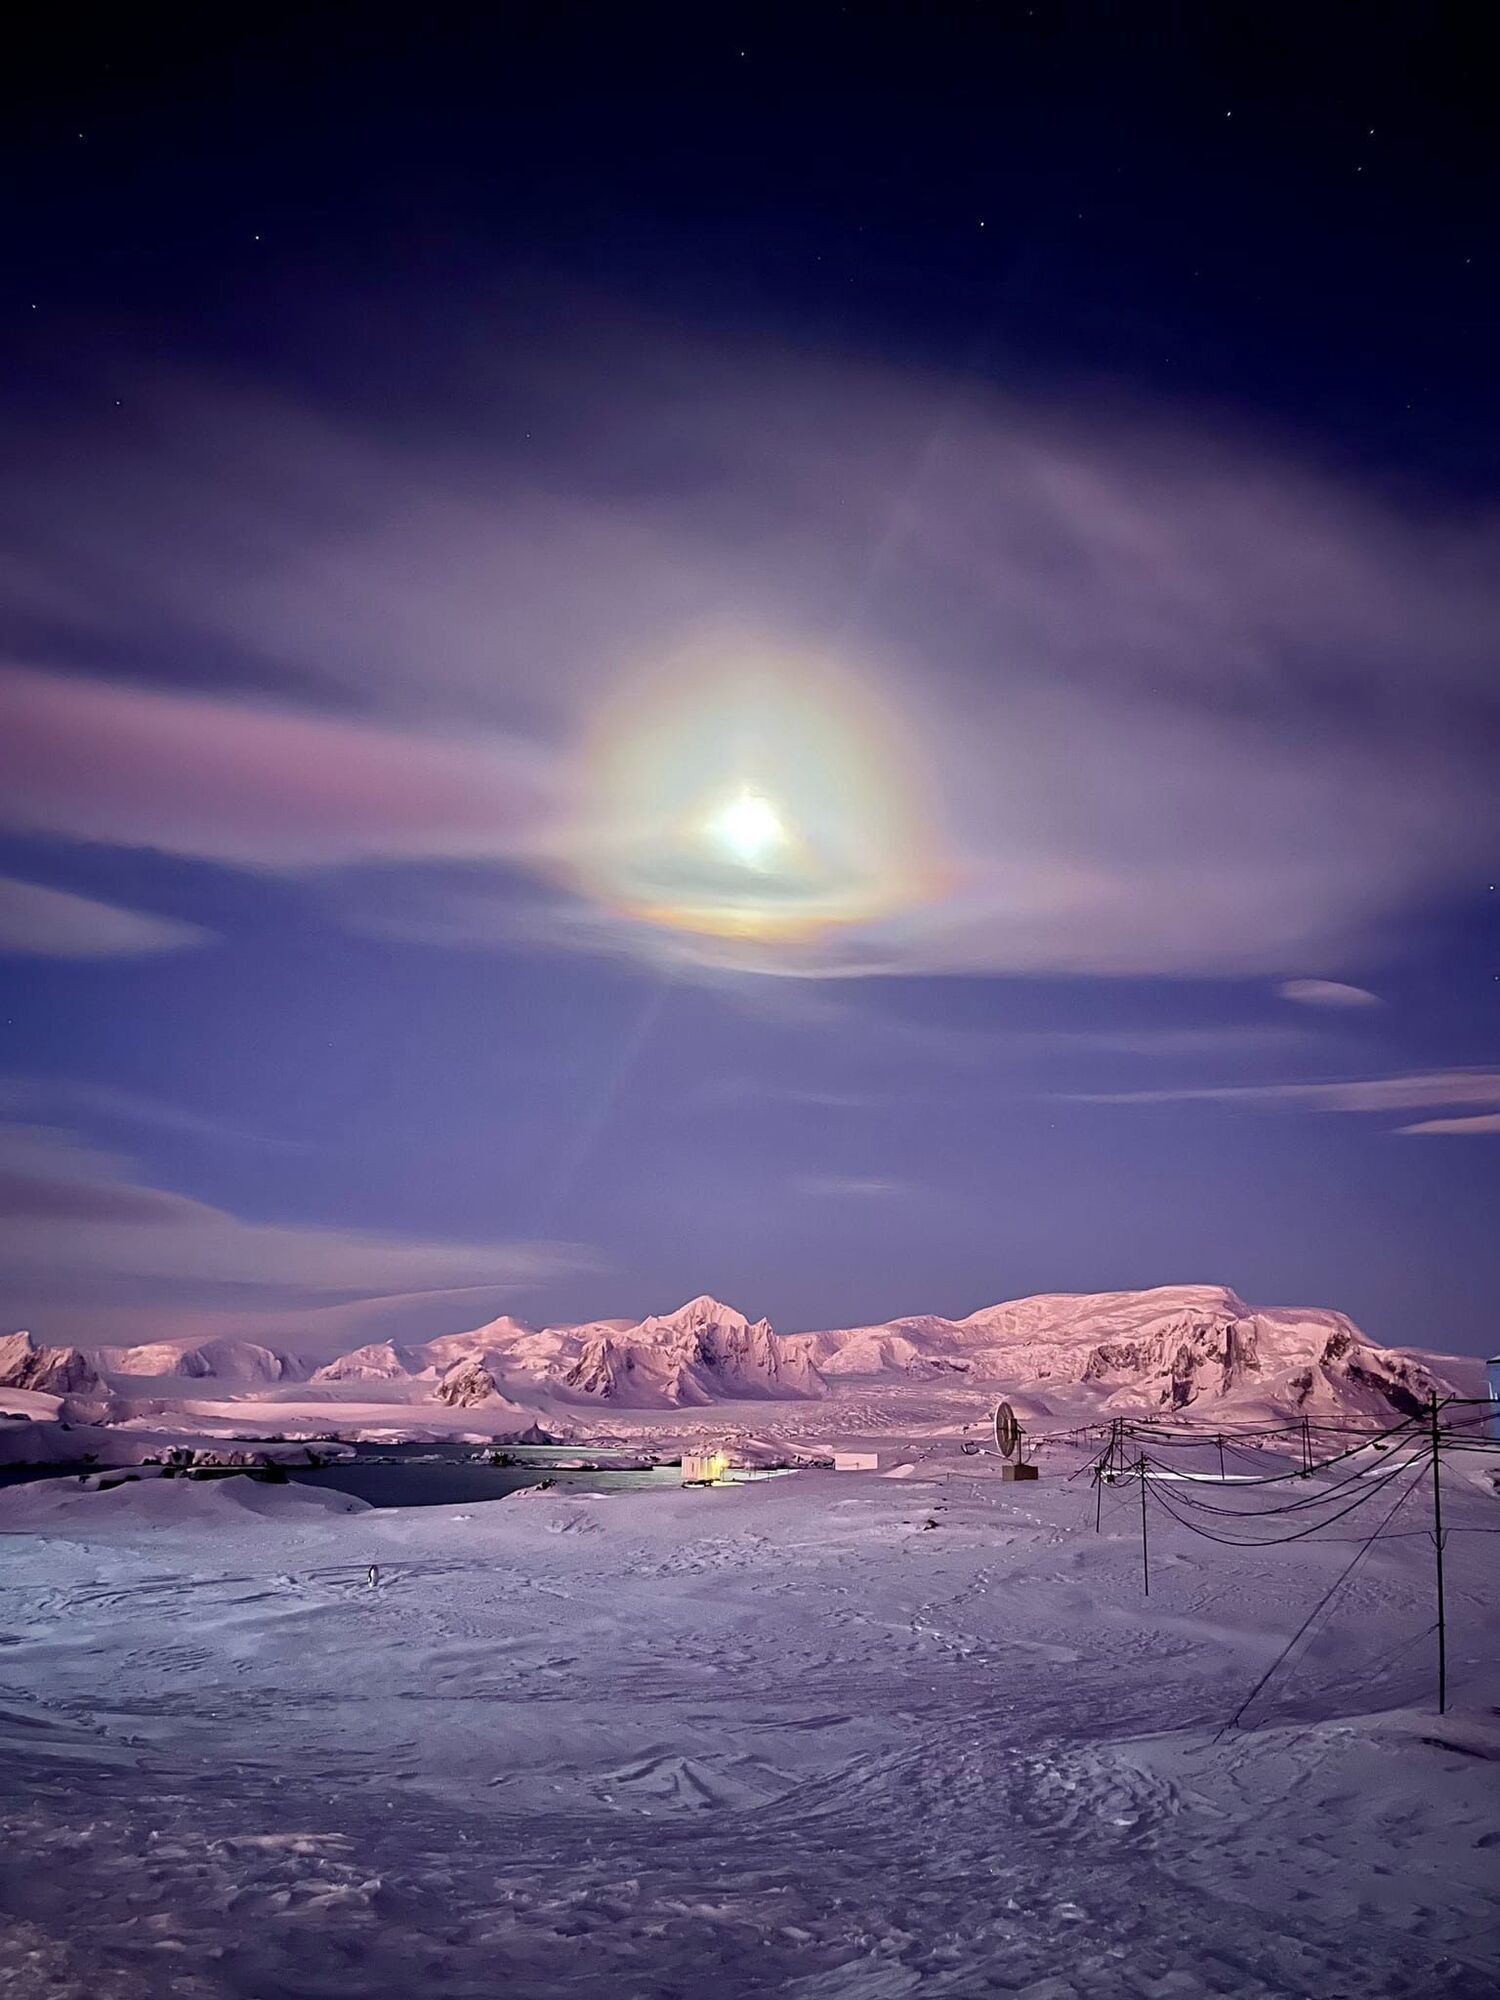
<point x="1165" y="1346"/>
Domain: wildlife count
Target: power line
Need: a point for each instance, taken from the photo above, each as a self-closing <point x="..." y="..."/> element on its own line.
<point x="1343" y="1576"/>
<point x="1369" y="1493"/>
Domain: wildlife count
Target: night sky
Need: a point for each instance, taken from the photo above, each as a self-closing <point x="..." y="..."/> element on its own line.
<point x="841" y="656"/>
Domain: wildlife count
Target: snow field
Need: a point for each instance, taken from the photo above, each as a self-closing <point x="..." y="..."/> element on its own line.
<point x="781" y="1739"/>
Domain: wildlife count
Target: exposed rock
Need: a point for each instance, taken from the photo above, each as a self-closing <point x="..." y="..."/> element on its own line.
<point x="533" y="1434"/>
<point x="467" y="1383"/>
<point x="1170" y="1347"/>
<point x="602" y="1369"/>
<point x="58" y="1371"/>
<point x="705" y="1352"/>
<point x="1181" y="1360"/>
<point x="1355" y="1368"/>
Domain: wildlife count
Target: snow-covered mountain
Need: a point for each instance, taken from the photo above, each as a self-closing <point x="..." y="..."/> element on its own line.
<point x="1168" y="1347"/>
<point x="1173" y="1347"/>
<point x="381" y="1361"/>
<point x="242" y="1363"/>
<point x="524" y="1346"/>
<point x="469" y="1385"/>
<point x="58" y="1371"/>
<point x="704" y="1352"/>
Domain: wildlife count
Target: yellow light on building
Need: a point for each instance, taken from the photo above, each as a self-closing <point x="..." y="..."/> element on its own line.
<point x="704" y="1468"/>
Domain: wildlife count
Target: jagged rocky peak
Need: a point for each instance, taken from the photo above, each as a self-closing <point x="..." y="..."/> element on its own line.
<point x="532" y="1434"/>
<point x="1182" y="1359"/>
<point x="58" y="1371"/>
<point x="1167" y="1347"/>
<point x="700" y="1315"/>
<point x="603" y="1368"/>
<point x="1302" y="1359"/>
<point x="1352" y="1371"/>
<point x="704" y="1352"/>
<point x="467" y="1383"/>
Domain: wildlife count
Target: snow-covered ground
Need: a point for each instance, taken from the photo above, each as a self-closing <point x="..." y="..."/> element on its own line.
<point x="822" y="1736"/>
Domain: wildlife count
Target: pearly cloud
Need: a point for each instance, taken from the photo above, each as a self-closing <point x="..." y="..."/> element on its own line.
<point x="1174" y="703"/>
<point x="247" y="783"/>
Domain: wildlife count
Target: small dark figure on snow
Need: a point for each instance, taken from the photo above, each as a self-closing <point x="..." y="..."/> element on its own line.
<point x="374" y="1576"/>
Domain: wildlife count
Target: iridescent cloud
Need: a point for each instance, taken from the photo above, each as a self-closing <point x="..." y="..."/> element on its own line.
<point x="1007" y="688"/>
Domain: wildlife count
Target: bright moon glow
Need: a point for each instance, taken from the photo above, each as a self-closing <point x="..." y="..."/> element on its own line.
<point x="757" y="797"/>
<point x="748" y="828"/>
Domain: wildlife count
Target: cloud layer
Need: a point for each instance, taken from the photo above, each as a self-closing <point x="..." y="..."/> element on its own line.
<point x="241" y="782"/>
<point x="1484" y="1125"/>
<point x="1169" y="703"/>
<point x="1328" y="993"/>
<point x="38" y="922"/>
<point x="1406" y="1092"/>
<point x="87" y="1244"/>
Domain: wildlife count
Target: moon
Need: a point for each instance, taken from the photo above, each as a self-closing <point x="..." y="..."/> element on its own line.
<point x="766" y="799"/>
<point x="748" y="829"/>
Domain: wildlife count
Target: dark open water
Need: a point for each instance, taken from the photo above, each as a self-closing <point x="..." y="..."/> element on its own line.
<point x="425" y="1475"/>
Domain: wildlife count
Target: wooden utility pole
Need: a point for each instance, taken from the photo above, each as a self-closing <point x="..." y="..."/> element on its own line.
<point x="1437" y="1537"/>
<point x="1106" y="1464"/>
<point x="1145" y="1548"/>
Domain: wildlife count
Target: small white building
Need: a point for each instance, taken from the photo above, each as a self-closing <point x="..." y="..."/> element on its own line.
<point x="703" y="1468"/>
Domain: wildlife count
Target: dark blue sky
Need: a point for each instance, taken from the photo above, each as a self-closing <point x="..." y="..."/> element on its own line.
<point x="1045" y="465"/>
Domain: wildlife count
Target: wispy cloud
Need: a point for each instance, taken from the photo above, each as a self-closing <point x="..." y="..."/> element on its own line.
<point x="1328" y="993"/>
<point x="39" y="922"/>
<point x="846" y="1187"/>
<point x="733" y="1093"/>
<point x="243" y="782"/>
<point x="1165" y="1044"/>
<point x="86" y="1241"/>
<point x="1407" y="1092"/>
<point x="1458" y="1128"/>
<point x="1164" y="703"/>
<point x="966" y="1062"/>
<point x="50" y="1099"/>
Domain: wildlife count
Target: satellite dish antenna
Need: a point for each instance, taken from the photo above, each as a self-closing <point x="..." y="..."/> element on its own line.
<point x="1007" y="1431"/>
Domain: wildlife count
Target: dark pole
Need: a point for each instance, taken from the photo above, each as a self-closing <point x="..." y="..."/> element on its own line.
<point x="1106" y="1464"/>
<point x="1437" y="1537"/>
<point x="1221" y="1458"/>
<point x="1145" y="1550"/>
